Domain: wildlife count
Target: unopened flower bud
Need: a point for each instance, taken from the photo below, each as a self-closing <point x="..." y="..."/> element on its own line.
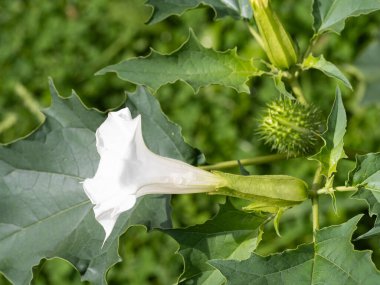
<point x="274" y="39"/>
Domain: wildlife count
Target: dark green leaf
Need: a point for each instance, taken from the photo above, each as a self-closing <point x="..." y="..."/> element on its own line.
<point x="332" y="150"/>
<point x="166" y="8"/>
<point x="326" y="67"/>
<point x="330" y="15"/>
<point x="44" y="211"/>
<point x="191" y="63"/>
<point x="231" y="234"/>
<point x="160" y="134"/>
<point x="366" y="176"/>
<point x="368" y="63"/>
<point x="330" y="260"/>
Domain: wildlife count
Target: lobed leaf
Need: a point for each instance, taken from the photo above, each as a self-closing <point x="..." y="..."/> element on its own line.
<point x="330" y="260"/>
<point x="166" y="8"/>
<point x="191" y="63"/>
<point x="44" y="212"/>
<point x="331" y="15"/>
<point x="326" y="67"/>
<point x="231" y="234"/>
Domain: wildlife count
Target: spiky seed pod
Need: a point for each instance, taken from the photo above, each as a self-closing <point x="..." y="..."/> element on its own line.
<point x="290" y="127"/>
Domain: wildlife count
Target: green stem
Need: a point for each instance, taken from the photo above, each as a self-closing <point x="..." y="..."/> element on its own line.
<point x="339" y="189"/>
<point x="297" y="91"/>
<point x="314" y="200"/>
<point x="312" y="43"/>
<point x="248" y="161"/>
<point x="346" y="188"/>
<point x="30" y="103"/>
<point x="256" y="35"/>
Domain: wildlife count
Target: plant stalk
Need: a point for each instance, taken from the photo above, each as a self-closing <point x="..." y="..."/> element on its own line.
<point x="244" y="162"/>
<point x="314" y="200"/>
<point x="297" y="91"/>
<point x="312" y="43"/>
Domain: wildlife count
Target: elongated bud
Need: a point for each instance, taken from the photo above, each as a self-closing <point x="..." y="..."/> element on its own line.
<point x="275" y="40"/>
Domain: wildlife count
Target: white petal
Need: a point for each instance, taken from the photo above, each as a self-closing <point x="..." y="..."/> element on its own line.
<point x="128" y="169"/>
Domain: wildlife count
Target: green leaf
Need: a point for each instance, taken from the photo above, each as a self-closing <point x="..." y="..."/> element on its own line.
<point x="330" y="260"/>
<point x="330" y="15"/>
<point x="326" y="67"/>
<point x="160" y="134"/>
<point x="332" y="150"/>
<point x="366" y="173"/>
<point x="366" y="176"/>
<point x="368" y="63"/>
<point x="191" y="63"/>
<point x="231" y="234"/>
<point x="280" y="86"/>
<point x="166" y="8"/>
<point x="44" y="210"/>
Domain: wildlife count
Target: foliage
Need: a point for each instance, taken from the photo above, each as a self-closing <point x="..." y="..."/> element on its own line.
<point x="330" y="260"/>
<point x="47" y="227"/>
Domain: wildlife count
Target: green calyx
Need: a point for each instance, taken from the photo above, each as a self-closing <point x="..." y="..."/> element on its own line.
<point x="290" y="127"/>
<point x="266" y="193"/>
<point x="274" y="39"/>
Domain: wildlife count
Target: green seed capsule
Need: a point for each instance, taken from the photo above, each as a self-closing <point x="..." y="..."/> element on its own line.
<point x="266" y="190"/>
<point x="275" y="40"/>
<point x="290" y="127"/>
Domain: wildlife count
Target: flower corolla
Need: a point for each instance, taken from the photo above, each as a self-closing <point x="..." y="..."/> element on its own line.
<point x="128" y="170"/>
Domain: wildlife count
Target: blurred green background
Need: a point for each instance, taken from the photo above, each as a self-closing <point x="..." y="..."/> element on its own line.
<point x="71" y="40"/>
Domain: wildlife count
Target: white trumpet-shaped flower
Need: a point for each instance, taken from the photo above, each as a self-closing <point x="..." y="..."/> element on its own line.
<point x="128" y="170"/>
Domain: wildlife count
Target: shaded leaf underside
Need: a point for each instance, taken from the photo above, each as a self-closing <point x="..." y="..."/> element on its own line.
<point x="366" y="176"/>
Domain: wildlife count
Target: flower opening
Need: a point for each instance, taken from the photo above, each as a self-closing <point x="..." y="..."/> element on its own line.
<point x="128" y="170"/>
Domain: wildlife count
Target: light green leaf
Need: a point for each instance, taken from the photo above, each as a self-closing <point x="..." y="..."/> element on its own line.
<point x="280" y="86"/>
<point x="166" y="8"/>
<point x="332" y="150"/>
<point x="366" y="176"/>
<point x="44" y="212"/>
<point x="330" y="15"/>
<point x="326" y="67"/>
<point x="368" y="63"/>
<point x="330" y="260"/>
<point x="366" y="173"/>
<point x="231" y="234"/>
<point x="191" y="63"/>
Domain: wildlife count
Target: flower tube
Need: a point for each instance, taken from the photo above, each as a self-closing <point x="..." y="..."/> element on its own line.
<point x="128" y="170"/>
